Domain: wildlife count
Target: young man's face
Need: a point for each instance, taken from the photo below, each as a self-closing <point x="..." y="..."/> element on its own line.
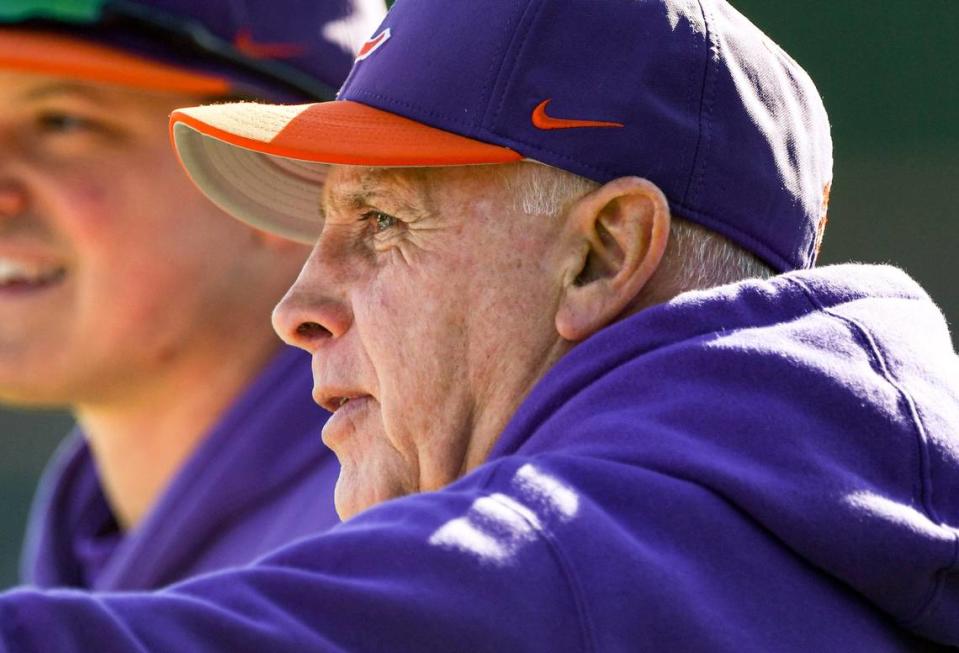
<point x="428" y="303"/>
<point x="112" y="265"/>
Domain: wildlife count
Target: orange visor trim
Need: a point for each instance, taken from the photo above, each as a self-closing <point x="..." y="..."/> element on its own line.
<point x="350" y="133"/>
<point x="53" y="54"/>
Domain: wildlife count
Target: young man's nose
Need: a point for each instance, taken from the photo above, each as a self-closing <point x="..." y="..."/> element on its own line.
<point x="13" y="198"/>
<point x="14" y="195"/>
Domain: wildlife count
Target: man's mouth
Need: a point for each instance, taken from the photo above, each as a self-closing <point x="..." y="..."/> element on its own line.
<point x="334" y="403"/>
<point x="347" y="411"/>
<point x="24" y="276"/>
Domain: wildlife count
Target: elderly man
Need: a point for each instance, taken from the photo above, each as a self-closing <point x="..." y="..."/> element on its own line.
<point x="561" y="427"/>
<point x="117" y="279"/>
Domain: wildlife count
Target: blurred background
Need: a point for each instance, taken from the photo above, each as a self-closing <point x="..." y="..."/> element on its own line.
<point x="889" y="75"/>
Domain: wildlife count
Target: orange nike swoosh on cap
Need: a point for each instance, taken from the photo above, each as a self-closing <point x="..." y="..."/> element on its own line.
<point x="370" y="46"/>
<point x="243" y="41"/>
<point x="543" y="121"/>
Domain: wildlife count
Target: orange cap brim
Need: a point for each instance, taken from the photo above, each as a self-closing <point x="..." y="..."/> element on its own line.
<point x="265" y="163"/>
<point x="54" y="54"/>
<point x="341" y="132"/>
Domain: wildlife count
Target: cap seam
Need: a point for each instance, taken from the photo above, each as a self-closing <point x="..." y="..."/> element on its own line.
<point x="698" y="169"/>
<point x="520" y="47"/>
<point x="344" y="88"/>
<point x="492" y="77"/>
<point x="697" y="88"/>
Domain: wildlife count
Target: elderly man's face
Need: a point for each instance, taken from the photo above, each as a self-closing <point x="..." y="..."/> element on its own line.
<point x="428" y="304"/>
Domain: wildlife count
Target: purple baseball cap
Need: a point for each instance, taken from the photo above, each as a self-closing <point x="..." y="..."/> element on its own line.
<point x="687" y="93"/>
<point x="281" y="50"/>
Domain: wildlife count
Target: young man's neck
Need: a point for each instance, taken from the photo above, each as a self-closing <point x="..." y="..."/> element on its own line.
<point x="141" y="442"/>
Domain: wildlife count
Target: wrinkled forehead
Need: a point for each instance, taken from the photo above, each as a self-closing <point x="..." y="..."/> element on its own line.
<point x="413" y="189"/>
<point x="347" y="184"/>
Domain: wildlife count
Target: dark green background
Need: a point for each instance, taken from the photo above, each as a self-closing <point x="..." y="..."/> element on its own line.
<point x="887" y="72"/>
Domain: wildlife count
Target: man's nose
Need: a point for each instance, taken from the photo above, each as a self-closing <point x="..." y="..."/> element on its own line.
<point x="13" y="198"/>
<point x="310" y="315"/>
<point x="14" y="195"/>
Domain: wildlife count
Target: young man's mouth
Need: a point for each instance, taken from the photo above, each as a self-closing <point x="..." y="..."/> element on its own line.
<point x="23" y="277"/>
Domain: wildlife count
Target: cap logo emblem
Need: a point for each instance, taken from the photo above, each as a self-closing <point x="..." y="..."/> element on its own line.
<point x="543" y="121"/>
<point x="244" y="42"/>
<point x="373" y="44"/>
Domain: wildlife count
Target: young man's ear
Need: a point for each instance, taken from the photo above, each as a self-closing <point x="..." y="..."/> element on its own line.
<point x="622" y="229"/>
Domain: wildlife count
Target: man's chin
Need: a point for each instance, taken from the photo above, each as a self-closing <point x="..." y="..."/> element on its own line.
<point x="347" y="503"/>
<point x="353" y="494"/>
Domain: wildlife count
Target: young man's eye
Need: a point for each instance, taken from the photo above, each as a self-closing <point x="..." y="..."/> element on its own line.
<point x="381" y="221"/>
<point x="63" y="123"/>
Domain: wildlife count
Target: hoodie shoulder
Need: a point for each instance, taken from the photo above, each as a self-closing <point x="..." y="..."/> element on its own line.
<point x="821" y="406"/>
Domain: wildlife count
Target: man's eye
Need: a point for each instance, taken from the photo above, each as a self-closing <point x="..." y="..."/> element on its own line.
<point x="381" y="221"/>
<point x="63" y="123"/>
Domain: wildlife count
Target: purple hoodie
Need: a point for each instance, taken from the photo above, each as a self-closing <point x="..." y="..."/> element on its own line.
<point x="260" y="479"/>
<point x="767" y="466"/>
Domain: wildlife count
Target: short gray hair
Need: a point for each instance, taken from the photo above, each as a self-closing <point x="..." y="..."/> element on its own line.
<point x="695" y="256"/>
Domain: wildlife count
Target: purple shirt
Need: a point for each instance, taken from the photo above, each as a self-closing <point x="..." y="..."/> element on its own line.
<point x="260" y="479"/>
<point x="767" y="466"/>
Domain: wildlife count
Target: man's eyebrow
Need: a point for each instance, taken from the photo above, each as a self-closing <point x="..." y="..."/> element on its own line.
<point x="403" y="196"/>
<point x="359" y="198"/>
<point x="345" y="199"/>
<point x="54" y="89"/>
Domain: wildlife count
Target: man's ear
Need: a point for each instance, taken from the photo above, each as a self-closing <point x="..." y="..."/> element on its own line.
<point x="622" y="229"/>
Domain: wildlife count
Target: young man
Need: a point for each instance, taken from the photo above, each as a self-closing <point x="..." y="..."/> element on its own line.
<point x="126" y="296"/>
<point x="595" y="401"/>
